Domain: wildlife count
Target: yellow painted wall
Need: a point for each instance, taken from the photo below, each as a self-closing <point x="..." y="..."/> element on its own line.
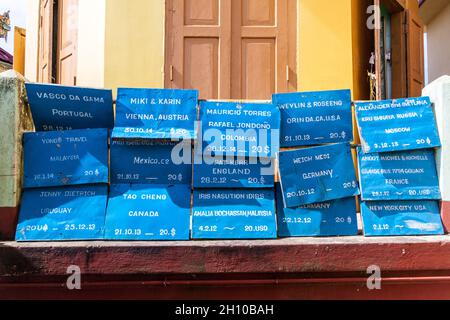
<point x="325" y="45"/>
<point x="134" y="43"/>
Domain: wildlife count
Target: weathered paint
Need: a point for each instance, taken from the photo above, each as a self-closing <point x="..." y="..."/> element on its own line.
<point x="15" y="118"/>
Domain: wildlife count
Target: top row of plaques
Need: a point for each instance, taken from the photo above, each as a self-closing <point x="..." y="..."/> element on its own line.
<point x="289" y="120"/>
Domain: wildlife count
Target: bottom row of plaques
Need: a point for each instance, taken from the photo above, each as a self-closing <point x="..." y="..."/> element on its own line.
<point x="145" y="212"/>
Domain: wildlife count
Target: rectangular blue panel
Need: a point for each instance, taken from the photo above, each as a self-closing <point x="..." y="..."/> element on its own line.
<point x="325" y="219"/>
<point x="57" y="108"/>
<point x="148" y="212"/>
<point x="234" y="214"/>
<point x="239" y="129"/>
<point x="401" y="218"/>
<point x="396" y="125"/>
<point x="61" y="158"/>
<point x="156" y="114"/>
<point x="404" y="175"/>
<point x="62" y="213"/>
<point x="312" y="118"/>
<point x="317" y="174"/>
<point x="151" y="162"/>
<point x="235" y="172"/>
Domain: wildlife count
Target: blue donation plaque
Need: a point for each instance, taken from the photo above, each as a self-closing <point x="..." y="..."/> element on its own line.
<point x="234" y="214"/>
<point x="61" y="158"/>
<point x="148" y="212"/>
<point x="62" y="213"/>
<point x="156" y="114"/>
<point x="236" y="172"/>
<point x="59" y="108"/>
<point x="397" y="125"/>
<point x="317" y="174"/>
<point x="160" y="162"/>
<point x="403" y="175"/>
<point x="325" y="219"/>
<point x="401" y="218"/>
<point x="239" y="129"/>
<point x="313" y="118"/>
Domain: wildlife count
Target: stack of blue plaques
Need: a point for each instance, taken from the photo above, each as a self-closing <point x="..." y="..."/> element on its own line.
<point x="151" y="165"/>
<point x="318" y="185"/>
<point x="65" y="164"/>
<point x="234" y="171"/>
<point x="399" y="182"/>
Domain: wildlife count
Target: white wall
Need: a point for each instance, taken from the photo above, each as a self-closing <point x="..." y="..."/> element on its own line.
<point x="31" y="51"/>
<point x="438" y="43"/>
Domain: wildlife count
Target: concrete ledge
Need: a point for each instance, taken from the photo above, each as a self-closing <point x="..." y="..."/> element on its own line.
<point x="350" y="255"/>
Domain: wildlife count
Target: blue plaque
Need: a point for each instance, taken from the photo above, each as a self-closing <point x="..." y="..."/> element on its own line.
<point x="325" y="219"/>
<point x="148" y="212"/>
<point x="151" y="162"/>
<point x="234" y="214"/>
<point x="61" y="158"/>
<point x="60" y="108"/>
<point x="401" y="218"/>
<point x="62" y="213"/>
<point x="156" y="114"/>
<point x="313" y="118"/>
<point x="397" y="125"/>
<point x="403" y="175"/>
<point x="235" y="172"/>
<point x="317" y="174"/>
<point x="239" y="129"/>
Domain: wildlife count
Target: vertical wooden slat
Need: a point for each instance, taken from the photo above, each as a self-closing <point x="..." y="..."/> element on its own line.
<point x="399" y="83"/>
<point x="415" y="55"/>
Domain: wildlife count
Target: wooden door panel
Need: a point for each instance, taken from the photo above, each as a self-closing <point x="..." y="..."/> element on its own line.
<point x="260" y="61"/>
<point x="258" y="12"/>
<point x="258" y="69"/>
<point x="66" y="75"/>
<point x="399" y="82"/>
<point x="198" y="47"/>
<point x="415" y="54"/>
<point x="201" y="64"/>
<point x="201" y="12"/>
<point x="67" y="41"/>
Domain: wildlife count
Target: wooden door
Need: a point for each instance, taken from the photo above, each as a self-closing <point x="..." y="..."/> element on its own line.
<point x="399" y="82"/>
<point x="260" y="48"/>
<point x="67" y="42"/>
<point x="415" y="54"/>
<point x="45" y="41"/>
<point x="198" y="49"/>
<point x="231" y="49"/>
